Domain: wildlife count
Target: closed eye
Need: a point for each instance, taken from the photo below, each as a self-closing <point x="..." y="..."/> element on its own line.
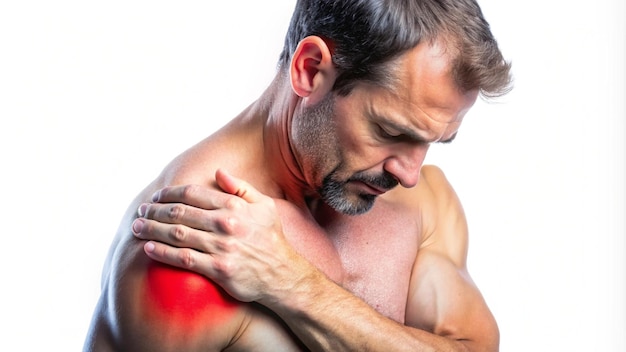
<point x="396" y="136"/>
<point x="384" y="133"/>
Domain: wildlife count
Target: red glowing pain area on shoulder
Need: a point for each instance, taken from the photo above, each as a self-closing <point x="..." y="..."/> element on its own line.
<point x="184" y="299"/>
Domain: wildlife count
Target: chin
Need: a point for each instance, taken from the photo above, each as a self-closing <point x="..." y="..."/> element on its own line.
<point x="359" y="204"/>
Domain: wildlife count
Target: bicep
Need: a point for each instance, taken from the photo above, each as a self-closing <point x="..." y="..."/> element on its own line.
<point x="444" y="300"/>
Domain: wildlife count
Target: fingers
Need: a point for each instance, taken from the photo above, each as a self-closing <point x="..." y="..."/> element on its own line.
<point x="237" y="187"/>
<point x="199" y="251"/>
<point x="175" y="235"/>
<point x="185" y="258"/>
<point x="194" y="195"/>
<point x="206" y="198"/>
<point x="176" y="213"/>
<point x="183" y="226"/>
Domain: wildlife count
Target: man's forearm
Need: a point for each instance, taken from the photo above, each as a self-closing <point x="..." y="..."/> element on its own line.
<point x="326" y="317"/>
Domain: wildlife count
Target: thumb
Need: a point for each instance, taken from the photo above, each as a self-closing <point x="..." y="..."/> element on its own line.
<point x="230" y="184"/>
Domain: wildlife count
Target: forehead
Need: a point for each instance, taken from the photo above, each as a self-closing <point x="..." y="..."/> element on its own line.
<point x="423" y="94"/>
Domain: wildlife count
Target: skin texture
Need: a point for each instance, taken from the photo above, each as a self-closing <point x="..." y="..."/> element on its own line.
<point x="305" y="275"/>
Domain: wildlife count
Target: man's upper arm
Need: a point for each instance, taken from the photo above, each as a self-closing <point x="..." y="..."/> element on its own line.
<point x="148" y="306"/>
<point x="443" y="299"/>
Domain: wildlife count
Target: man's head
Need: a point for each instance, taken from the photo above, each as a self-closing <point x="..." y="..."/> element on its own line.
<point x="379" y="81"/>
<point x="365" y="35"/>
<point x="329" y="164"/>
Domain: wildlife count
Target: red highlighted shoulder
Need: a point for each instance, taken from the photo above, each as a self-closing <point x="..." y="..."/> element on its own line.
<point x="186" y="300"/>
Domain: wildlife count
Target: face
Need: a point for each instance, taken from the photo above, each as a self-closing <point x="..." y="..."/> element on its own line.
<point x="354" y="148"/>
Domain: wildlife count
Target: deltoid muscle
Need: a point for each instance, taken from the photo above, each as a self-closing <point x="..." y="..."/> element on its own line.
<point x="184" y="299"/>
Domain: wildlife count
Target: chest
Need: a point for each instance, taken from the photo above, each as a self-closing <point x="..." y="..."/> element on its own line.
<point x="371" y="255"/>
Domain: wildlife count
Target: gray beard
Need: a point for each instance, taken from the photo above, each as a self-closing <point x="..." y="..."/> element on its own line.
<point x="335" y="194"/>
<point x="315" y="131"/>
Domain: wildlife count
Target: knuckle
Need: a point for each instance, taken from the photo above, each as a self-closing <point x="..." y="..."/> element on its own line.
<point x="176" y="212"/>
<point x="234" y="203"/>
<point x="228" y="224"/>
<point x="178" y="233"/>
<point x="186" y="258"/>
<point x="189" y="191"/>
<point x="225" y="268"/>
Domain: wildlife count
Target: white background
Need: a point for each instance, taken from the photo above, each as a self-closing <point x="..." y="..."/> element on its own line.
<point x="96" y="97"/>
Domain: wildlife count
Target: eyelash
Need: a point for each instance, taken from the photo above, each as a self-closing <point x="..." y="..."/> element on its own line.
<point x="383" y="133"/>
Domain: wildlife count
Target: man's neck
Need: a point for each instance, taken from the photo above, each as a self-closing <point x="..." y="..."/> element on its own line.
<point x="275" y="108"/>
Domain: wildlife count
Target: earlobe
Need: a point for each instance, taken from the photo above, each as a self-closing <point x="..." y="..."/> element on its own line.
<point x="312" y="73"/>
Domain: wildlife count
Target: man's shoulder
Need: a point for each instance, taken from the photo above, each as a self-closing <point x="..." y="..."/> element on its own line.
<point x="151" y="306"/>
<point x="445" y="225"/>
<point x="434" y="185"/>
<point x="434" y="201"/>
<point x="196" y="165"/>
<point x="433" y="176"/>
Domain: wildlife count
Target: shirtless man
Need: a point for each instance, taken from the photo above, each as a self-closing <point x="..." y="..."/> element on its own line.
<point x="330" y="243"/>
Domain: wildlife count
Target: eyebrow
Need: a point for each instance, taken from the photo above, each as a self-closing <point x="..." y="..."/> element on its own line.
<point x="410" y="134"/>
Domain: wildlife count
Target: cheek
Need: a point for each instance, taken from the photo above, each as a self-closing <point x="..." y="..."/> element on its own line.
<point x="358" y="148"/>
<point x="185" y="300"/>
<point x="355" y="138"/>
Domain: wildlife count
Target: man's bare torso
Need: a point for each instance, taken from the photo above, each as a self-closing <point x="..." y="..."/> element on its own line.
<point x="370" y="255"/>
<point x="355" y="251"/>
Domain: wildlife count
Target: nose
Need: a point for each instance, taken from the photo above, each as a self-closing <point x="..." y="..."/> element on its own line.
<point x="406" y="164"/>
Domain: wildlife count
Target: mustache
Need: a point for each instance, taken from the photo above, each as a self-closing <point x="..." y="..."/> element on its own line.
<point x="384" y="181"/>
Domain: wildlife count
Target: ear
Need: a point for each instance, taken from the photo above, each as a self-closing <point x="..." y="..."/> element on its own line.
<point x="312" y="73"/>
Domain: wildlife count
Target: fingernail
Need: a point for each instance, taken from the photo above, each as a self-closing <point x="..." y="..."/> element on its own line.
<point x="141" y="211"/>
<point x="149" y="247"/>
<point x="156" y="195"/>
<point x="137" y="226"/>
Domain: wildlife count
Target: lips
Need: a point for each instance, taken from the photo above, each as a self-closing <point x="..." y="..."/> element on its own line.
<point x="371" y="188"/>
<point x="374" y="184"/>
